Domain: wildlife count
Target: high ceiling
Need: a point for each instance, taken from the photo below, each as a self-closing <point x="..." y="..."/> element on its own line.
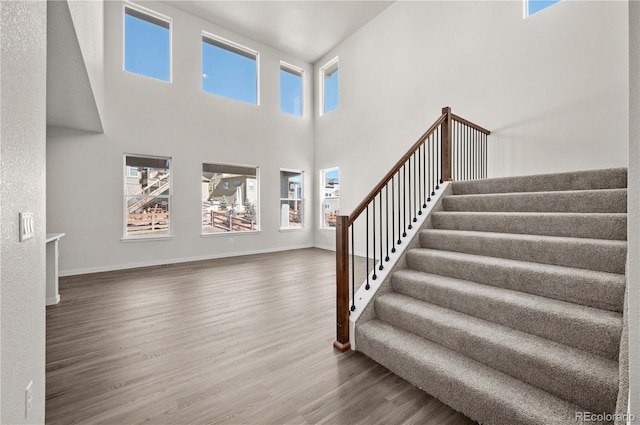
<point x="304" y="29"/>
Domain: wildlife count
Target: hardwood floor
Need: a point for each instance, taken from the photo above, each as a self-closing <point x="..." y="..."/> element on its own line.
<point x="243" y="340"/>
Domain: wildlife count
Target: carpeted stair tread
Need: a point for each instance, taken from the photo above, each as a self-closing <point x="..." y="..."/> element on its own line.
<point x="508" y="306"/>
<point x="585" y="201"/>
<point x="592" y="254"/>
<point x="580" y="180"/>
<point x="580" y="286"/>
<point x="586" y="328"/>
<point x="583" y="378"/>
<point x="480" y="392"/>
<point x="575" y="225"/>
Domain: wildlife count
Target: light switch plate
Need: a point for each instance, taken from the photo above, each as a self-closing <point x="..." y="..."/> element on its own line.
<point x="26" y="226"/>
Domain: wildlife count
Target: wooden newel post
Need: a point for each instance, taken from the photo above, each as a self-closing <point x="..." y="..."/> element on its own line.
<point x="446" y="144"/>
<point x="342" y="284"/>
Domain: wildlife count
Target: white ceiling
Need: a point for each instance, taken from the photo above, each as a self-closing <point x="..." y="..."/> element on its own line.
<point x="304" y="29"/>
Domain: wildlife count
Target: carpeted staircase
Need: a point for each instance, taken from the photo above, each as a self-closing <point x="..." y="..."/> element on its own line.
<point x="510" y="309"/>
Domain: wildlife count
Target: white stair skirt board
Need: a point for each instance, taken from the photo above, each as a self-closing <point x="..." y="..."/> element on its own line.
<point x="53" y="300"/>
<point x="363" y="296"/>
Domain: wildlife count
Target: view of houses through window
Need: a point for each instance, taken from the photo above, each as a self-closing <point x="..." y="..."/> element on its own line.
<point x="330" y="180"/>
<point x="229" y="198"/>
<point x="147" y="196"/>
<point x="291" y="201"/>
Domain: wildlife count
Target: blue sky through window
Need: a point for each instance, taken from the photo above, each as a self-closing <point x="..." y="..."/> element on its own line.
<point x="331" y="91"/>
<point x="290" y="92"/>
<point x="535" y="6"/>
<point x="147" y="46"/>
<point x="333" y="174"/>
<point x="229" y="74"/>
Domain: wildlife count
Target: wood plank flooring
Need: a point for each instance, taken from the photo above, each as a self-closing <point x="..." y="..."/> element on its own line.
<point x="243" y="340"/>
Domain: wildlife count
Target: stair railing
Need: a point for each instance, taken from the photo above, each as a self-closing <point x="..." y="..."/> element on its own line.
<point x="451" y="149"/>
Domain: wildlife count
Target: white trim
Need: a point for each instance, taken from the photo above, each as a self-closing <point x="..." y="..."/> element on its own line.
<point x="127" y="4"/>
<point x="325" y="247"/>
<point x="125" y="236"/>
<point x="233" y="233"/>
<point x="53" y="300"/>
<point x="178" y="260"/>
<point x="291" y="68"/>
<point x="363" y="296"/>
<point x="147" y="238"/>
<point x="146" y="11"/>
<point x="230" y="43"/>
<point x="331" y="63"/>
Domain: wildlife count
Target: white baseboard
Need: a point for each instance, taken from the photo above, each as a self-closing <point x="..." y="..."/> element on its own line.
<point x="176" y="260"/>
<point x="325" y="247"/>
<point x="53" y="300"/>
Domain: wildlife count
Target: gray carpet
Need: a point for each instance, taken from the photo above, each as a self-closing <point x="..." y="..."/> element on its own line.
<point x="510" y="307"/>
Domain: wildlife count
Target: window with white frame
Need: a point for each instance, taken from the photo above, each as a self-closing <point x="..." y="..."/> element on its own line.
<point x="291" y="199"/>
<point x="534" y="6"/>
<point x="147" y="196"/>
<point x="230" y="198"/>
<point x="147" y="42"/>
<point x="330" y="196"/>
<point x="329" y="75"/>
<point x="229" y="69"/>
<point x="132" y="172"/>
<point x="290" y="89"/>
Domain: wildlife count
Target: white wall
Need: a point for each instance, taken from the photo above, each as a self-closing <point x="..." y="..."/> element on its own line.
<point x="88" y="22"/>
<point x="23" y="36"/>
<point x="144" y="116"/>
<point x="552" y="88"/>
<point x="633" y="234"/>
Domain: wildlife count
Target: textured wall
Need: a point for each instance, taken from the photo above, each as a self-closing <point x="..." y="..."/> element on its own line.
<point x="23" y="32"/>
<point x="552" y="88"/>
<point x="633" y="262"/>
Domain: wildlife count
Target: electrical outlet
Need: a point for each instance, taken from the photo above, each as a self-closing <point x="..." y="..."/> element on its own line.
<point x="28" y="399"/>
<point x="26" y="226"/>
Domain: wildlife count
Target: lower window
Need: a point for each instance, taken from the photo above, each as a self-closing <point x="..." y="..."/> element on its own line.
<point x="147" y="196"/>
<point x="230" y="198"/>
<point x="291" y="203"/>
<point x="330" y="200"/>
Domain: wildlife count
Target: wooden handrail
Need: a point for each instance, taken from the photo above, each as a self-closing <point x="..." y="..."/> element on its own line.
<point x="470" y="124"/>
<point x="344" y="222"/>
<point x="387" y="178"/>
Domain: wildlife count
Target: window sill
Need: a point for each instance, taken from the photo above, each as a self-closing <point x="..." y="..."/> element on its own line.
<point x="331" y="229"/>
<point x="222" y="234"/>
<point x="292" y="229"/>
<point x="147" y="239"/>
